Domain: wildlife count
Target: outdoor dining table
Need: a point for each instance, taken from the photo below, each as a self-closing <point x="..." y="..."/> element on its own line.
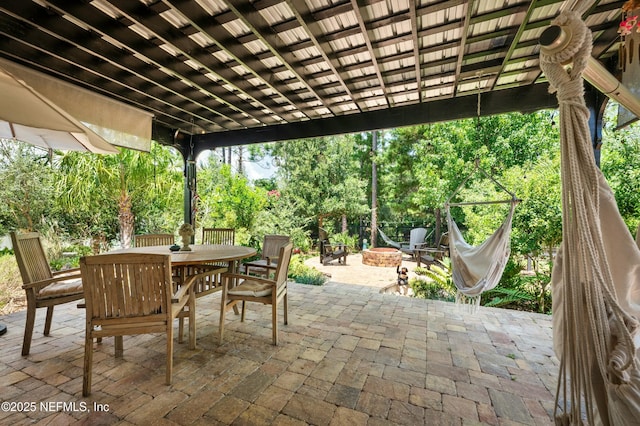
<point x="200" y="254"/>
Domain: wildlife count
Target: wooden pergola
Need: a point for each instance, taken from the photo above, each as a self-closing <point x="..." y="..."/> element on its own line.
<point x="216" y="73"/>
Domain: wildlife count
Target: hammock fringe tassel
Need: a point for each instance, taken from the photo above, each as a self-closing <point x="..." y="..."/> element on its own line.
<point x="468" y="304"/>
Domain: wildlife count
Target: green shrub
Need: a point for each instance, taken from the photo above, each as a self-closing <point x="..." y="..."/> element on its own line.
<point x="311" y="278"/>
<point x="525" y="293"/>
<point x="521" y="292"/>
<point x="301" y="240"/>
<point x="438" y="285"/>
<point x="423" y="289"/>
<point x="304" y="274"/>
<point x="70" y="261"/>
<point x="501" y="297"/>
<point x="351" y="241"/>
<point x="515" y="291"/>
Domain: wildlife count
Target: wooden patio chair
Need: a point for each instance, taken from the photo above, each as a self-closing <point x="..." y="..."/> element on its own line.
<point x="263" y="290"/>
<point x="333" y="251"/>
<point x="44" y="288"/>
<point x="129" y="294"/>
<point x="269" y="257"/>
<point x="431" y="255"/>
<point x="225" y="236"/>
<point x="146" y="240"/>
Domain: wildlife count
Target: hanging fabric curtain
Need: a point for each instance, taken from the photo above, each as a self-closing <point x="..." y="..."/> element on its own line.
<point x="476" y="269"/>
<point x="596" y="275"/>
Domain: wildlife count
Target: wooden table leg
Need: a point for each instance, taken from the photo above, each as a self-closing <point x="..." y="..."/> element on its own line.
<point x="232" y="283"/>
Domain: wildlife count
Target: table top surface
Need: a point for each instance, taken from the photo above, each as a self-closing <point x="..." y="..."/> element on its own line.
<point x="200" y="253"/>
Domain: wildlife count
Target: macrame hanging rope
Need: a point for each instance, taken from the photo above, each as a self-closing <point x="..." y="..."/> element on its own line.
<point x="478" y="169"/>
<point x="596" y="333"/>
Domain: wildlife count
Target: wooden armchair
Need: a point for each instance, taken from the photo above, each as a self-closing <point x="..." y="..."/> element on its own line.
<point x="269" y="256"/>
<point x="332" y="251"/>
<point x="146" y="240"/>
<point x="431" y="255"/>
<point x="128" y="294"/>
<point x="225" y="236"/>
<point x="254" y="289"/>
<point x="43" y="287"/>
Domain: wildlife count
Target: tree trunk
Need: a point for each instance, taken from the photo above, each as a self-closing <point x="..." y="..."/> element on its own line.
<point x="374" y="189"/>
<point x="240" y="159"/>
<point x="438" y="231"/>
<point x="125" y="219"/>
<point x="344" y="223"/>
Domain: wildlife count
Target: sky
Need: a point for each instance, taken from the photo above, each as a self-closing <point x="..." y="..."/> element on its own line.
<point x="259" y="170"/>
<point x="252" y="169"/>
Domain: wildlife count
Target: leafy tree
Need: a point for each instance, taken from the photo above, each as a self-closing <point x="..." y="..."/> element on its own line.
<point x="420" y="167"/>
<point x="320" y="177"/>
<point x="537" y="224"/>
<point x="268" y="184"/>
<point x="159" y="205"/>
<point x="27" y="187"/>
<point x="399" y="170"/>
<point x="226" y="199"/>
<point x="515" y="139"/>
<point x="620" y="163"/>
<point x="280" y="217"/>
<point x="423" y="165"/>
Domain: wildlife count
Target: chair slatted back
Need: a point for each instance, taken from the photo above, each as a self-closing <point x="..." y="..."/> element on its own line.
<point x="224" y="236"/>
<point x="444" y="240"/>
<point x="147" y="240"/>
<point x="272" y="245"/>
<point x="284" y="258"/>
<point x="31" y="258"/>
<point x="416" y="236"/>
<point x="121" y="286"/>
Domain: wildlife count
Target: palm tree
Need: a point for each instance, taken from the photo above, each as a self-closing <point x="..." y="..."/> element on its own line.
<point x="91" y="183"/>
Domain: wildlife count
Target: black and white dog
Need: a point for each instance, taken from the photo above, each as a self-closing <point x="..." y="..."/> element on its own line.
<point x="403" y="279"/>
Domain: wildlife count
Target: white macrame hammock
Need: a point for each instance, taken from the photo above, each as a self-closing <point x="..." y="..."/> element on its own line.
<point x="476" y="269"/>
<point x="596" y="275"/>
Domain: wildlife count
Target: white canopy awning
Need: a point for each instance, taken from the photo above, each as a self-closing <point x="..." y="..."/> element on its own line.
<point x="118" y="123"/>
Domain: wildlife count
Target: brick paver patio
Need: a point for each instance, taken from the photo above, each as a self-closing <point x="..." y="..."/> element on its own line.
<point x="350" y="356"/>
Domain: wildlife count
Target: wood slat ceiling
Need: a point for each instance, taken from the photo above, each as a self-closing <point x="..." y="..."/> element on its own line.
<point x="230" y="71"/>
